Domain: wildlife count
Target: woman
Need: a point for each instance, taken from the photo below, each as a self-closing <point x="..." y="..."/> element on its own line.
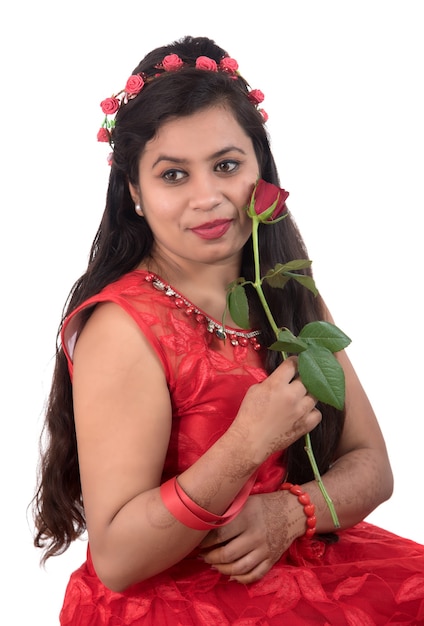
<point x="174" y="435"/>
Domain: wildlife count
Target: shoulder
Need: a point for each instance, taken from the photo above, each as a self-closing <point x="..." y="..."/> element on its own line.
<point x="120" y="309"/>
<point x="111" y="333"/>
<point x="113" y="353"/>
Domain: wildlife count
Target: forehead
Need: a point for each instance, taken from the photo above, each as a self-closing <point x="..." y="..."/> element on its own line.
<point x="204" y="131"/>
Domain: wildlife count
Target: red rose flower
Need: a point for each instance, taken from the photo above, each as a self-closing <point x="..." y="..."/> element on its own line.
<point x="256" y="96"/>
<point x="172" y="62"/>
<point x="227" y="64"/>
<point x="268" y="201"/>
<point x="110" y="106"/>
<point x="134" y="85"/>
<point x="205" y="63"/>
<point x="103" y="135"/>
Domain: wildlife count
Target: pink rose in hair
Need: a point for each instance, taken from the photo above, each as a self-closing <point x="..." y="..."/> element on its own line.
<point x="264" y="115"/>
<point x="110" y="106"/>
<point x="172" y="62"/>
<point x="134" y="85"/>
<point x="256" y="96"/>
<point x="103" y="135"/>
<point x="205" y="63"/>
<point x="268" y="201"/>
<point x="227" y="64"/>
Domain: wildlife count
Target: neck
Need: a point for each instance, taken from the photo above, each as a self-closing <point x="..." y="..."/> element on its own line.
<point x="214" y="276"/>
<point x="203" y="284"/>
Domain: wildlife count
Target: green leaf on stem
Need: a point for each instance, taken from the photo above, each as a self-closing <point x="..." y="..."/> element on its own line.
<point x="322" y="375"/>
<point x="306" y="281"/>
<point x="238" y="306"/>
<point x="282" y="273"/>
<point x="287" y="342"/>
<point x="278" y="281"/>
<point x="291" y="266"/>
<point x="325" y="334"/>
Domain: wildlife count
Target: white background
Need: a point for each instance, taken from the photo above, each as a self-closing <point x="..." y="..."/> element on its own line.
<point x="343" y="88"/>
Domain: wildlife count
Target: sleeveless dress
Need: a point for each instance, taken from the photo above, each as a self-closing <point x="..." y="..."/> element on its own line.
<point x="369" y="577"/>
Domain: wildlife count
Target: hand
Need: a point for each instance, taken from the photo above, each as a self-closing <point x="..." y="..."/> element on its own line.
<point x="277" y="411"/>
<point x="248" y="547"/>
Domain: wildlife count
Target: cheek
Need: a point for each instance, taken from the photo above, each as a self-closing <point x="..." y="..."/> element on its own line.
<point x="246" y="194"/>
<point x="157" y="208"/>
<point x="246" y="225"/>
<point x="250" y="183"/>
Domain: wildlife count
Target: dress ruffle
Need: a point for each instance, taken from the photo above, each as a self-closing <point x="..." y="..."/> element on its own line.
<point x="370" y="577"/>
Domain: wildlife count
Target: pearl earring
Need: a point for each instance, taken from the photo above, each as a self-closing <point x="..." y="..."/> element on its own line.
<point x="138" y="209"/>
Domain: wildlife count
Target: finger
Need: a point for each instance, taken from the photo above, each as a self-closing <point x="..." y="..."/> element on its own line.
<point x="221" y="535"/>
<point x="242" y="566"/>
<point x="312" y="419"/>
<point x="236" y="549"/>
<point x="225" y="554"/>
<point x="297" y="385"/>
<point x="308" y="402"/>
<point x="211" y="539"/>
<point x="255" y="574"/>
<point x="287" y="370"/>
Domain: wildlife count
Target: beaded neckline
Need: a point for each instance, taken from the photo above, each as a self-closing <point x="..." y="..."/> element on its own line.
<point x="236" y="337"/>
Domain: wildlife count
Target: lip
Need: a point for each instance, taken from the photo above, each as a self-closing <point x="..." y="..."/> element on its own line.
<point x="212" y="230"/>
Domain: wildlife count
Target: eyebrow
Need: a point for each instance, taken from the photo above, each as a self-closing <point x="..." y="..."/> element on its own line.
<point x="215" y="155"/>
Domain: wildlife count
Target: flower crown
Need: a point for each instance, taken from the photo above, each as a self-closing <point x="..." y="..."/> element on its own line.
<point x="170" y="63"/>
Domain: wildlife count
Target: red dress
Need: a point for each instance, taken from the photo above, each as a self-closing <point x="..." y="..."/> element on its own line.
<point x="370" y="577"/>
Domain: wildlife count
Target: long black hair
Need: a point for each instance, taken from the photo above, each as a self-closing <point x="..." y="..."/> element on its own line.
<point x="123" y="240"/>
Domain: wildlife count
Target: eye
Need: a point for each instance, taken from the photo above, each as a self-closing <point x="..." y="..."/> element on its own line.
<point x="228" y="166"/>
<point x="173" y="176"/>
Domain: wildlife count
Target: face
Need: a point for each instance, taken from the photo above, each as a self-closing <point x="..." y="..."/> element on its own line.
<point x="195" y="179"/>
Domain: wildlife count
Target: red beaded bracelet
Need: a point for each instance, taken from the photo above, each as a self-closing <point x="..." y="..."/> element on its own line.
<point x="308" y="507"/>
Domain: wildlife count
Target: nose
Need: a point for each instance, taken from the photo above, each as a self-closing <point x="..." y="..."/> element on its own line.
<point x="205" y="193"/>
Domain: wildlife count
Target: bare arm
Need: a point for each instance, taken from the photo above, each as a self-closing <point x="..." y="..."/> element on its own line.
<point x="123" y="422"/>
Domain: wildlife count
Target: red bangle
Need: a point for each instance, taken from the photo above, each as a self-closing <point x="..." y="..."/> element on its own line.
<point x="308" y="507"/>
<point x="186" y="511"/>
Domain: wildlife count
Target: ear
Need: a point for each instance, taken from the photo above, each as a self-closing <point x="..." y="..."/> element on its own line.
<point x="135" y="193"/>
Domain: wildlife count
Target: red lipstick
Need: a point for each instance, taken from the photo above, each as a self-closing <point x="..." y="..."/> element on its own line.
<point x="212" y="230"/>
